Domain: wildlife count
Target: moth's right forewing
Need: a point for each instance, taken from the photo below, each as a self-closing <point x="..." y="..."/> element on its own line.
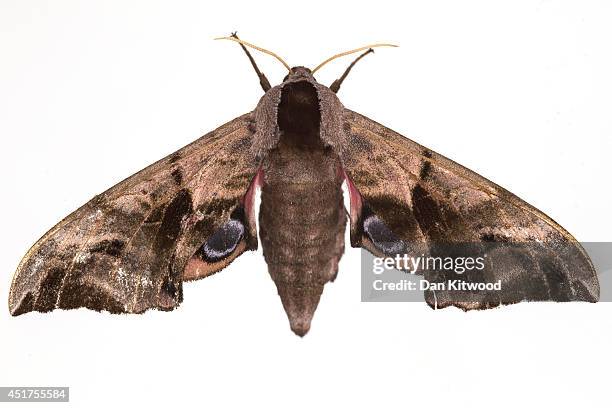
<point x="126" y="250"/>
<point x="409" y="199"/>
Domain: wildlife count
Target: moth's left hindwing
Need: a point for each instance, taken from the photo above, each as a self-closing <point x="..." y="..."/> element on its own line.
<point x="129" y="249"/>
<point x="406" y="199"/>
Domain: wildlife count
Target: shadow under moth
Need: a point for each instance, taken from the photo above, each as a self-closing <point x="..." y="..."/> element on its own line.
<point x="192" y="213"/>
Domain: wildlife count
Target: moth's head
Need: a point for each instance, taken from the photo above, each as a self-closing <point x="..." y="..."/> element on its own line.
<point x="299" y="74"/>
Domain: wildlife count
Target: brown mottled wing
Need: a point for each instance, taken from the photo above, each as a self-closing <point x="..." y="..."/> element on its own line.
<point x="408" y="199"/>
<point x="126" y="250"/>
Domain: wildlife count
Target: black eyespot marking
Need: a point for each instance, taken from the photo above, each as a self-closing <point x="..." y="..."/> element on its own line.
<point x="176" y="156"/>
<point x="382" y="237"/>
<point x="222" y="242"/>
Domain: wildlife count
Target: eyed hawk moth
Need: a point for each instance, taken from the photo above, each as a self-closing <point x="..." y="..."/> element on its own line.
<point x="192" y="213"/>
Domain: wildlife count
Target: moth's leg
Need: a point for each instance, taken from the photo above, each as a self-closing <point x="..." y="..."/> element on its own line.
<point x="336" y="85"/>
<point x="263" y="81"/>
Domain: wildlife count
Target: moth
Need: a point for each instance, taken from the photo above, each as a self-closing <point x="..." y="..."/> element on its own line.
<point x="192" y="213"/>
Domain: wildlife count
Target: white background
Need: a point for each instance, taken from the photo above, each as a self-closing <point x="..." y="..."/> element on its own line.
<point x="521" y="92"/>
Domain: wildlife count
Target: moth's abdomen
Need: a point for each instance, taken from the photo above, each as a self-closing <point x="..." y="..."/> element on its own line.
<point x="302" y="222"/>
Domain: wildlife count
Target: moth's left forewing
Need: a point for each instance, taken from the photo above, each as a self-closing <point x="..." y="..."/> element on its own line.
<point x="406" y="198"/>
<point x="127" y="249"/>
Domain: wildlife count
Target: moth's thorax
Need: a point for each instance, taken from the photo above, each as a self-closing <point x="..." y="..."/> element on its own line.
<point x="299" y="111"/>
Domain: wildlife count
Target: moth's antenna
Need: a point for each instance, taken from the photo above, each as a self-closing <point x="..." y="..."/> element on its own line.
<point x="342" y="54"/>
<point x="263" y="81"/>
<point x="239" y="41"/>
<point x="335" y="87"/>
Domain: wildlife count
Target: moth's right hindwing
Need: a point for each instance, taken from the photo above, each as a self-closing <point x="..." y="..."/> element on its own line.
<point x="130" y="248"/>
<point x="406" y="199"/>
